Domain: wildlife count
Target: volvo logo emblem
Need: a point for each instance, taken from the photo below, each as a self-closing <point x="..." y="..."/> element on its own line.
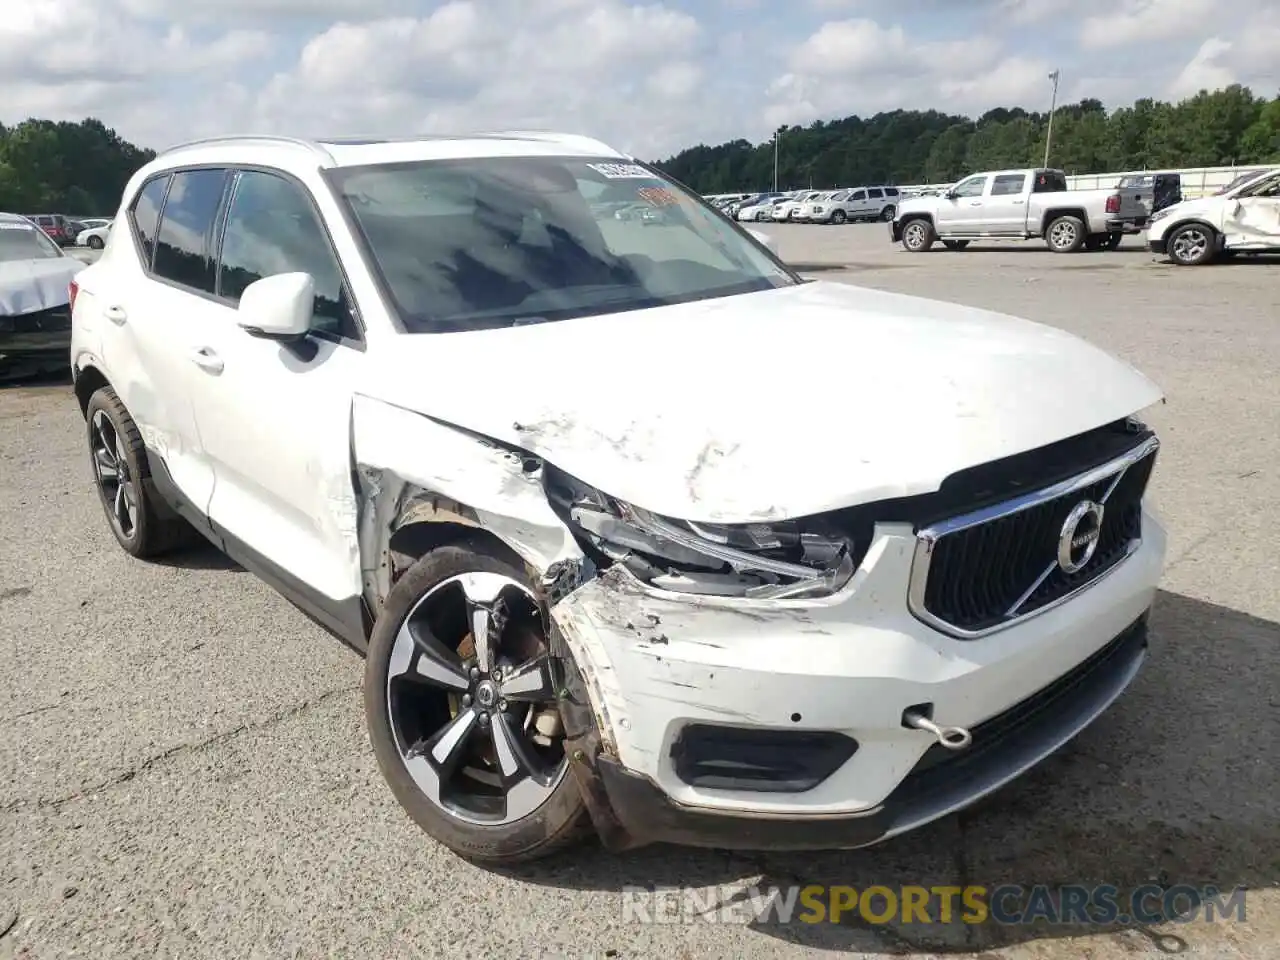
<point x="1079" y="537"/>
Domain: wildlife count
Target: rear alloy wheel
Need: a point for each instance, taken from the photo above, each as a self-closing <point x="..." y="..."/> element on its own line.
<point x="888" y="213"/>
<point x="1065" y="235"/>
<point x="460" y="699"/>
<point x="141" y="524"/>
<point x="1191" y="245"/>
<point x="918" y="236"/>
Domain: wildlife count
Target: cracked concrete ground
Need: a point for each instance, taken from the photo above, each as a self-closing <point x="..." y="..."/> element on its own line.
<point x="184" y="770"/>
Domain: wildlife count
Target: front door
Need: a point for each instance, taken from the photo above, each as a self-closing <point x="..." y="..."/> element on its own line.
<point x="961" y="210"/>
<point x="275" y="418"/>
<point x="1004" y="209"/>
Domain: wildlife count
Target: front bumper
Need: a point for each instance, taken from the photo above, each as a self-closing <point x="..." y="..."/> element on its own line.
<point x="895" y="230"/>
<point x="657" y="666"/>
<point x="940" y="783"/>
<point x="40" y="332"/>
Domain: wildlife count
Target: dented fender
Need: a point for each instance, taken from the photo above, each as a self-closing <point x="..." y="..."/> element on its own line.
<point x="412" y="469"/>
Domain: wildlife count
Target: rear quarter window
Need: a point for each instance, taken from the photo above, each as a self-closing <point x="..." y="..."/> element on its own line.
<point x="145" y="215"/>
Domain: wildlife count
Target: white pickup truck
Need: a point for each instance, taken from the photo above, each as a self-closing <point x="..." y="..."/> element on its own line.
<point x="1011" y="205"/>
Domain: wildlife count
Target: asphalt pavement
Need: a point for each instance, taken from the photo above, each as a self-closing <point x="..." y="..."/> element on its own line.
<point x="184" y="770"/>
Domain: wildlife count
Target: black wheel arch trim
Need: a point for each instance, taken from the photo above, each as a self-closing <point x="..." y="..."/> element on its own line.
<point x="348" y="619"/>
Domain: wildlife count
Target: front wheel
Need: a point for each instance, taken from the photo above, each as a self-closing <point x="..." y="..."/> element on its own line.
<point x="1191" y="245"/>
<point x="460" y="702"/>
<point x="1065" y="235"/>
<point x="918" y="236"/>
<point x="838" y="217"/>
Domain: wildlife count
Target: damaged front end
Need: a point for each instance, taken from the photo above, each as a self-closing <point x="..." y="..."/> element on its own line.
<point x="569" y="534"/>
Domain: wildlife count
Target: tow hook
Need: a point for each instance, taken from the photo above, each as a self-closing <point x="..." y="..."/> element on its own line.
<point x="953" y="738"/>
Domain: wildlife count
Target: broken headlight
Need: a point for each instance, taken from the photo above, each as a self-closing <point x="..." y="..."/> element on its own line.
<point x="777" y="560"/>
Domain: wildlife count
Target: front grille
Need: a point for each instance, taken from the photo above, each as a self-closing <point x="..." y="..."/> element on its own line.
<point x="979" y="572"/>
<point x="53" y="320"/>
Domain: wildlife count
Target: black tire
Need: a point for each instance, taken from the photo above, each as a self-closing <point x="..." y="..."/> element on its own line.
<point x="838" y="217"/>
<point x="955" y="244"/>
<point x="560" y="819"/>
<point x="1191" y="245"/>
<point x="1113" y="241"/>
<point x="888" y="213"/>
<point x="95" y="243"/>
<point x="918" y="236"/>
<point x="1065" y="234"/>
<point x="151" y="530"/>
<point x="1093" y="242"/>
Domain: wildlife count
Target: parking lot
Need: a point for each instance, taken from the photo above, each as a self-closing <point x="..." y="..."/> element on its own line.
<point x="186" y="772"/>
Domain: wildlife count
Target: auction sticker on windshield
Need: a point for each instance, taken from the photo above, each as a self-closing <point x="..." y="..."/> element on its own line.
<point x="622" y="171"/>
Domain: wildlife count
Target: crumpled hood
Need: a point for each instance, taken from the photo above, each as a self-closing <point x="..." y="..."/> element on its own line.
<point x="769" y="405"/>
<point x="30" y="285"/>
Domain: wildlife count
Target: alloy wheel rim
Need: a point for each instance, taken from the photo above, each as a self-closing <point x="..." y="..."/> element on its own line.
<point x="1063" y="235"/>
<point x="1190" y="245"/>
<point x="915" y="235"/>
<point x="111" y="472"/>
<point x="471" y="698"/>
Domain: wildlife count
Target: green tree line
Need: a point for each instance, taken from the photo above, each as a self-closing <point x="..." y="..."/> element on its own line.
<point x="78" y="169"/>
<point x="1212" y="128"/>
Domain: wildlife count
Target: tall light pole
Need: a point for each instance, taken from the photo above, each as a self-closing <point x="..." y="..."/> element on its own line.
<point x="777" y="138"/>
<point x="1053" y="106"/>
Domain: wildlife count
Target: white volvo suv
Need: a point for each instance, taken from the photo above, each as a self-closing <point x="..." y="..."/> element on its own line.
<point x="523" y="458"/>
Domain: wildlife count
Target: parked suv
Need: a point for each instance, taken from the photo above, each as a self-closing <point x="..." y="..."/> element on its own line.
<point x="488" y="438"/>
<point x="58" y="228"/>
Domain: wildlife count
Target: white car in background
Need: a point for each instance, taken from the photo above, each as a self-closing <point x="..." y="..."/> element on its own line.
<point x="804" y="211"/>
<point x="95" y="238"/>
<point x="1242" y="217"/>
<point x="757" y="210"/>
<point x="786" y="209"/>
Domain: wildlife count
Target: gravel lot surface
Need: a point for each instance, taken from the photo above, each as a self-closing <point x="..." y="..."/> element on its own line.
<point x="184" y="770"/>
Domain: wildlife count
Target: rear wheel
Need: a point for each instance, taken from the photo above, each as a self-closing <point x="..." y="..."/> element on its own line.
<point x="95" y="243"/>
<point x="1065" y="235"/>
<point x="1113" y="241"/>
<point x="138" y="519"/>
<point x="1191" y="245"/>
<point x="460" y="701"/>
<point x="918" y="235"/>
<point x="888" y="213"/>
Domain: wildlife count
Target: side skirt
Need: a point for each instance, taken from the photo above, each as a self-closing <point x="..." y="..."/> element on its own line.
<point x="348" y="619"/>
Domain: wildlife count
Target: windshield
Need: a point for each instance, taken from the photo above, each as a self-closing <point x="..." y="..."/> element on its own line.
<point x="1239" y="182"/>
<point x="20" y="240"/>
<point x="495" y="242"/>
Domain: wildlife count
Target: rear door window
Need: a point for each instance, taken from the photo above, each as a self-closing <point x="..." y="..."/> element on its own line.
<point x="875" y="193"/>
<point x="145" y="215"/>
<point x="185" y="238"/>
<point x="1008" y="184"/>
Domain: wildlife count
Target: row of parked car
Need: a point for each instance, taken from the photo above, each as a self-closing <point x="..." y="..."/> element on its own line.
<point x="844" y="205"/>
<point x="67" y="231"/>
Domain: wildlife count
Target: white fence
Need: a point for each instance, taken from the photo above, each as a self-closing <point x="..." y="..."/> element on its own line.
<point x="1196" y="181"/>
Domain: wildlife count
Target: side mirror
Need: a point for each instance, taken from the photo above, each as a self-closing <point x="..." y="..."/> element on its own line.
<point x="761" y="237"/>
<point x="278" y="307"/>
<point x="948" y="194"/>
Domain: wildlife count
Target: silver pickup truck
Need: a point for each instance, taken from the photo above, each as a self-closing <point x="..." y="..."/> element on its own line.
<point x="1011" y="205"/>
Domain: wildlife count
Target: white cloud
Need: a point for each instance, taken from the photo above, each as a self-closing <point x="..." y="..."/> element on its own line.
<point x="647" y="75"/>
<point x="1147" y="21"/>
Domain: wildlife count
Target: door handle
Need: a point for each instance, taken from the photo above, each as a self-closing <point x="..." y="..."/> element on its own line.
<point x="206" y="359"/>
<point x="116" y="314"/>
<point x="1018" y="202"/>
<point x="975" y="203"/>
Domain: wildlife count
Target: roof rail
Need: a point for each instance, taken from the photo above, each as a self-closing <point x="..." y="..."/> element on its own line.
<point x="251" y="138"/>
<point x="555" y="136"/>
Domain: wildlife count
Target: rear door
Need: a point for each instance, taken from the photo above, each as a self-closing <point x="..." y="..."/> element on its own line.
<point x="875" y="203"/>
<point x="1004" y="209"/>
<point x="154" y="315"/>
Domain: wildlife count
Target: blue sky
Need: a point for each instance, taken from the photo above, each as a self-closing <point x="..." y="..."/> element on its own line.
<point x="646" y="76"/>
